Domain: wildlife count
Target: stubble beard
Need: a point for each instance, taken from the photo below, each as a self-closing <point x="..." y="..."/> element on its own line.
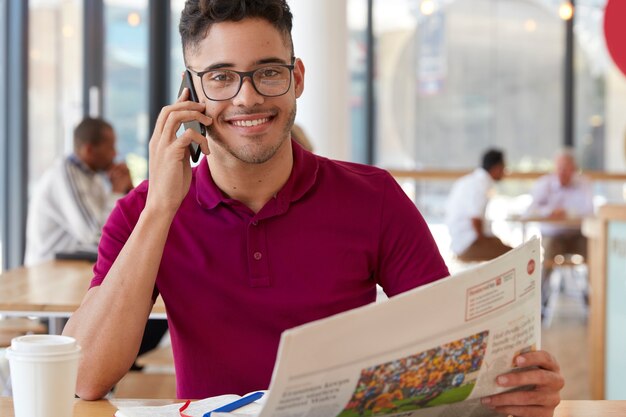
<point x="255" y="151"/>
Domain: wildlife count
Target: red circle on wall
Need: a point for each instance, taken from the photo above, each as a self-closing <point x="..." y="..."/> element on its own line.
<point x="615" y="31"/>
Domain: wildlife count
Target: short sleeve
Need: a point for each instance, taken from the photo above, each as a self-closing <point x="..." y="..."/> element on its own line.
<point x="408" y="255"/>
<point x="117" y="230"/>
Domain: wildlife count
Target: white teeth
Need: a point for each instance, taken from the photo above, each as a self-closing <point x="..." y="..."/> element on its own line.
<point x="250" y="123"/>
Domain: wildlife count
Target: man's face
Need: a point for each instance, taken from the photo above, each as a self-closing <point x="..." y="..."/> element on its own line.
<point x="565" y="169"/>
<point x="103" y="154"/>
<point x="250" y="127"/>
<point x="497" y="172"/>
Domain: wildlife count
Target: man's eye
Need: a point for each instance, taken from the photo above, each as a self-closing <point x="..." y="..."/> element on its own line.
<point x="269" y="72"/>
<point x="220" y="77"/>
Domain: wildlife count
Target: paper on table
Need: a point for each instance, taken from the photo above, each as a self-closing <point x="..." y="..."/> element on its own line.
<point x="195" y="409"/>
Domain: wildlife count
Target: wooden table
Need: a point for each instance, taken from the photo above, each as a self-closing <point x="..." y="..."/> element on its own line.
<point x="104" y="408"/>
<point x="570" y="222"/>
<point x="52" y="289"/>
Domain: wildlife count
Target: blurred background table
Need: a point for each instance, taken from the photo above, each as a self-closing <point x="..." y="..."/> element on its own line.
<point x="52" y="289"/>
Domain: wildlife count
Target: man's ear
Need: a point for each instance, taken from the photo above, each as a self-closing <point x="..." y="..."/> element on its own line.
<point x="298" y="77"/>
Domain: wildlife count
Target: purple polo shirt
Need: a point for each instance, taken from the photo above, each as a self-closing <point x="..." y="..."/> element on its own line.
<point x="233" y="280"/>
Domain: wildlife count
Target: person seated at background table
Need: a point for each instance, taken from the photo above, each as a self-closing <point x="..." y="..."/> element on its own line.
<point x="74" y="197"/>
<point x="260" y="237"/>
<point x="470" y="235"/>
<point x="563" y="194"/>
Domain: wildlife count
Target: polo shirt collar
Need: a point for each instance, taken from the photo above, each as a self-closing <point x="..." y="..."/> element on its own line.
<point x="303" y="176"/>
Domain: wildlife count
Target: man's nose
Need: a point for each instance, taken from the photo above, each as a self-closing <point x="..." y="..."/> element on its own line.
<point x="247" y="95"/>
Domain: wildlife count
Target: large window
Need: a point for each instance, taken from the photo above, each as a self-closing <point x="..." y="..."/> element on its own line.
<point x="454" y="77"/>
<point x="55" y="82"/>
<point x="176" y="52"/>
<point x="126" y="80"/>
<point x="357" y="63"/>
<point x="463" y="75"/>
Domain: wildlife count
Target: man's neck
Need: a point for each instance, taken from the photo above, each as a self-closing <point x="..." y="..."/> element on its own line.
<point x="252" y="184"/>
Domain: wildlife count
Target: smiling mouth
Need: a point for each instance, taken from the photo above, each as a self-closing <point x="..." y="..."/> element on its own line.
<point x="250" y="123"/>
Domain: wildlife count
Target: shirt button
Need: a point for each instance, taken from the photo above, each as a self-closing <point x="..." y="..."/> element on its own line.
<point x="257" y="256"/>
<point x="255" y="222"/>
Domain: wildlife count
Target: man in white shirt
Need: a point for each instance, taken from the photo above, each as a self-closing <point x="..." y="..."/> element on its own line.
<point x="470" y="236"/>
<point x="560" y="195"/>
<point x="74" y="197"/>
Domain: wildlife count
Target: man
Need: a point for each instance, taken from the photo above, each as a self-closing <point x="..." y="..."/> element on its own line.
<point x="261" y="236"/>
<point x="557" y="196"/>
<point x="465" y="211"/>
<point x="73" y="199"/>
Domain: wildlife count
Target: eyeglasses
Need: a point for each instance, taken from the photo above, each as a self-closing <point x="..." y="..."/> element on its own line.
<point x="269" y="81"/>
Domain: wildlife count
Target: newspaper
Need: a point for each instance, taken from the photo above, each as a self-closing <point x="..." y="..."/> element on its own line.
<point x="432" y="351"/>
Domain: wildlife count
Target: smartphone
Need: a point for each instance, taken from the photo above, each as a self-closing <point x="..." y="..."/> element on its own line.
<point x="194" y="148"/>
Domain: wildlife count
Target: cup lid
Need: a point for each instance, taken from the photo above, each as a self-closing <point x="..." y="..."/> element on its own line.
<point x="44" y="344"/>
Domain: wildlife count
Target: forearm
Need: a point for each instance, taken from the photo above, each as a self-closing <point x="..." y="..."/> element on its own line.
<point x="110" y="322"/>
<point x="477" y="225"/>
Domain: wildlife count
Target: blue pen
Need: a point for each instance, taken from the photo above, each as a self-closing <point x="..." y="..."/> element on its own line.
<point x="227" y="408"/>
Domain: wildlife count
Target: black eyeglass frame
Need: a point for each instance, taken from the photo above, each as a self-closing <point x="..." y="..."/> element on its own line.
<point x="247" y="74"/>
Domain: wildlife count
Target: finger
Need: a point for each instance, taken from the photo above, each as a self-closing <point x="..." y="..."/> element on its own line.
<point x="543" y="398"/>
<point x="184" y="95"/>
<point x="539" y="358"/>
<point x="540" y="378"/>
<point x="195" y="137"/>
<point x="181" y="103"/>
<point x="178" y="117"/>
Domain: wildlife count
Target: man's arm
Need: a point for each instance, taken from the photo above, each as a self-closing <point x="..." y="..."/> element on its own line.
<point x="477" y="225"/>
<point x="110" y="321"/>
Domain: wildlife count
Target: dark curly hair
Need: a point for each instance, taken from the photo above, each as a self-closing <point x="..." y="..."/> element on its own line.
<point x="491" y="158"/>
<point x="198" y="16"/>
<point x="90" y="131"/>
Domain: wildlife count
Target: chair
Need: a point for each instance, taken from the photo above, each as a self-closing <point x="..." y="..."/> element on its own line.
<point x="569" y="276"/>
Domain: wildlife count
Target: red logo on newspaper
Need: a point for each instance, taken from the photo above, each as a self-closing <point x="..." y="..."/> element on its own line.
<point x="530" y="268"/>
<point x="498" y="280"/>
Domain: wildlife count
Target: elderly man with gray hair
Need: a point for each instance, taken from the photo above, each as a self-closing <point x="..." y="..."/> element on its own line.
<point x="565" y="193"/>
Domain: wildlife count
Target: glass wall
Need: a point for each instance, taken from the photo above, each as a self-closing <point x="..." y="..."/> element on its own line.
<point x="357" y="64"/>
<point x="454" y="77"/>
<point x="460" y="76"/>
<point x="126" y="80"/>
<point x="176" y="57"/>
<point x="55" y="80"/>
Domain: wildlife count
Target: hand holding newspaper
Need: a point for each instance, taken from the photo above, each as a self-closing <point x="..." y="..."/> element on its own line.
<point x="432" y="351"/>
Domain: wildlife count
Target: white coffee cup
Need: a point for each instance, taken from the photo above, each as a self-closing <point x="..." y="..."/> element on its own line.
<point x="43" y="375"/>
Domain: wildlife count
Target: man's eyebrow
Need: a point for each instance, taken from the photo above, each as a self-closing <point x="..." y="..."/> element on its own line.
<point x="222" y="65"/>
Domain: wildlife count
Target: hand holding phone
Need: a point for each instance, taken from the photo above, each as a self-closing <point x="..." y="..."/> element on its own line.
<point x="194" y="148"/>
